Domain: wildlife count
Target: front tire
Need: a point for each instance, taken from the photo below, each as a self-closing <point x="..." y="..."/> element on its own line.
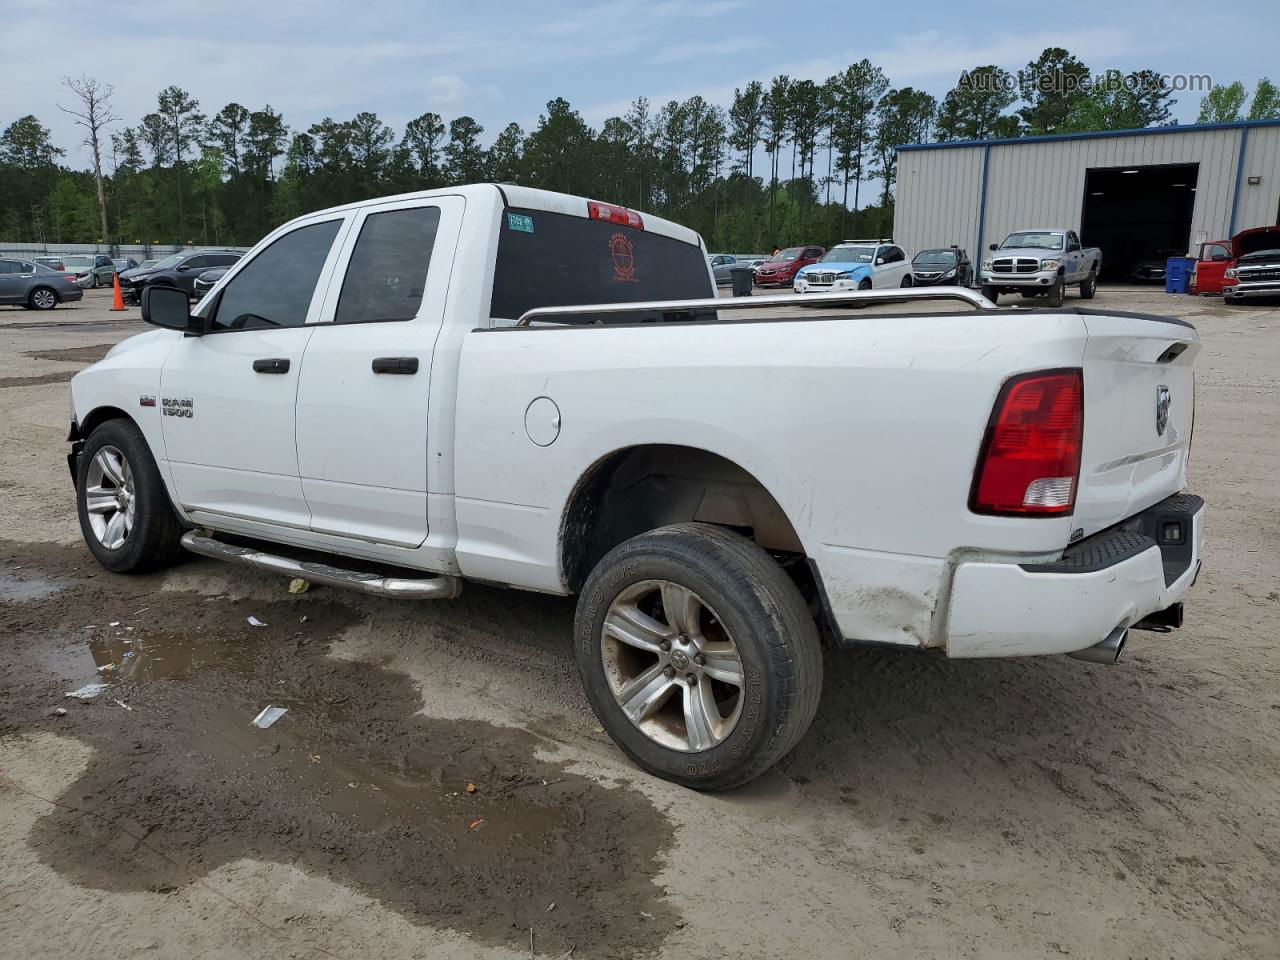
<point x="991" y="293"/>
<point x="125" y="515"/>
<point x="698" y="654"/>
<point x="1058" y="292"/>
<point x="906" y="281"/>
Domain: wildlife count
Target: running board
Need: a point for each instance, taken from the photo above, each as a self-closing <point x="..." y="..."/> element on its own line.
<point x="401" y="588"/>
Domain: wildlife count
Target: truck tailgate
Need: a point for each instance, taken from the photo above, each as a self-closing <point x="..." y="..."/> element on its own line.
<point x="1139" y="408"/>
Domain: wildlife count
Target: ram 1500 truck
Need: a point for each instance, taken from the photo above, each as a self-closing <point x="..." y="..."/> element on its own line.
<point x="1041" y="263"/>
<point x="515" y="387"/>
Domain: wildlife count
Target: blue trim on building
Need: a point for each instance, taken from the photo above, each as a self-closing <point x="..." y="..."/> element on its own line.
<point x="1235" y="196"/>
<point x="1095" y="135"/>
<point x="982" y="202"/>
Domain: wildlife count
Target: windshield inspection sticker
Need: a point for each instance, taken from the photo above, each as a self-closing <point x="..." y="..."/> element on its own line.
<point x="520" y="221"/>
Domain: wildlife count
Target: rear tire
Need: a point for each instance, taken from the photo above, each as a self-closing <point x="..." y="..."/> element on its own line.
<point x="42" y="298"/>
<point x="1057" y="292"/>
<point x="125" y="515"/>
<point x="991" y="293"/>
<point x="703" y="592"/>
<point x="1089" y="286"/>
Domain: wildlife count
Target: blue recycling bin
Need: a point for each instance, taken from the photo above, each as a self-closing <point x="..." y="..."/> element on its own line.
<point x="1177" y="274"/>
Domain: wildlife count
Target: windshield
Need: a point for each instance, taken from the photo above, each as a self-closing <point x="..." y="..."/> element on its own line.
<point x="1262" y="254"/>
<point x="147" y="263"/>
<point x="1033" y="240"/>
<point x="848" y="254"/>
<point x="167" y="262"/>
<point x="77" y="261"/>
<point x="789" y="254"/>
<point x="936" y="258"/>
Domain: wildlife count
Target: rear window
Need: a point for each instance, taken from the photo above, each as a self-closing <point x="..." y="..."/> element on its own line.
<point x="558" y="260"/>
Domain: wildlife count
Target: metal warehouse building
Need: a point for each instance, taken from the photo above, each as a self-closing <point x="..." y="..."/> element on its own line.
<point x="1135" y="193"/>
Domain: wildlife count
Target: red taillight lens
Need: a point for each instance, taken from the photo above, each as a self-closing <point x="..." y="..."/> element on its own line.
<point x="611" y="214"/>
<point x="1030" y="459"/>
<point x="69" y="276"/>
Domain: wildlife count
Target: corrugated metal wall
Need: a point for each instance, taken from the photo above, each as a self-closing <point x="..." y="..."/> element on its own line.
<point x="1260" y="203"/>
<point x="1041" y="184"/>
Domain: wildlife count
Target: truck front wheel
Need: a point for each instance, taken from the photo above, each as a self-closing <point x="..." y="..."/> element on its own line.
<point x="1057" y="292"/>
<point x="125" y="515"/>
<point x="698" y="655"/>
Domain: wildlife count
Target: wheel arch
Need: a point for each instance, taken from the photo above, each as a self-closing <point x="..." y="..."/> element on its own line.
<point x="43" y="286"/>
<point x="95" y="418"/>
<point x="641" y="487"/>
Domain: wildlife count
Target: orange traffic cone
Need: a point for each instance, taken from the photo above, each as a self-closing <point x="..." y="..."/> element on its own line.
<point x="118" y="302"/>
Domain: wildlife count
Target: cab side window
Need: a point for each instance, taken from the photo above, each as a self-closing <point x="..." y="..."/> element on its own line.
<point x="388" y="270"/>
<point x="275" y="288"/>
<point x="1216" y="252"/>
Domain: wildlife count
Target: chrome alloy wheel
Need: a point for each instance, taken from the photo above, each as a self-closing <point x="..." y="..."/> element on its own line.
<point x="44" y="299"/>
<point x="672" y="666"/>
<point x="109" y="497"/>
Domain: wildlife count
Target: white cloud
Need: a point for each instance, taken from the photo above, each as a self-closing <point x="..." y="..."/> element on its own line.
<point x="710" y="48"/>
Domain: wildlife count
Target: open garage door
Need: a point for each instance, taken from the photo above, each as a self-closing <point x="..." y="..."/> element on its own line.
<point x="1138" y="216"/>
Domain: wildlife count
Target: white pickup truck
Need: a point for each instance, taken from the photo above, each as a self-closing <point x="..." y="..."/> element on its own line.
<point x="413" y="387"/>
<point x="1041" y="263"/>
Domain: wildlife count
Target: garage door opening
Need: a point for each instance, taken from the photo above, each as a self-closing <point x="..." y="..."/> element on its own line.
<point x="1138" y="216"/>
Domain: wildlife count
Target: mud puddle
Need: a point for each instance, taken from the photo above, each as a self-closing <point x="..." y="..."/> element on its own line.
<point x="85" y="355"/>
<point x="451" y="823"/>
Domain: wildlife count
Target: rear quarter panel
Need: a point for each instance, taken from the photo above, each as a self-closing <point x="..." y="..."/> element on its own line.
<point x="865" y="430"/>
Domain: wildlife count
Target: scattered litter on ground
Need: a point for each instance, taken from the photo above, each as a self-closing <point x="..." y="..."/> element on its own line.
<point x="315" y="758"/>
<point x="114" y="623"/>
<point x="268" y="716"/>
<point x="471" y="788"/>
<point x="88" y="691"/>
<point x="551" y="906"/>
<point x="477" y="824"/>
<point x="255" y="622"/>
<point x="299" y="586"/>
<point x="60" y="711"/>
<point x="121" y="703"/>
<point x="107" y="668"/>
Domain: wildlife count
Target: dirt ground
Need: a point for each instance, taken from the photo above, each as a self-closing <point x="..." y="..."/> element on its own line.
<point x="439" y="788"/>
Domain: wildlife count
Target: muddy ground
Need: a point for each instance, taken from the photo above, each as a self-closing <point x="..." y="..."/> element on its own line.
<point x="975" y="809"/>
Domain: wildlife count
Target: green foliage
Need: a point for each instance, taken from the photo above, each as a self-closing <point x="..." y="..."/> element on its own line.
<point x="974" y="109"/>
<point x="1223" y="103"/>
<point x="176" y="177"/>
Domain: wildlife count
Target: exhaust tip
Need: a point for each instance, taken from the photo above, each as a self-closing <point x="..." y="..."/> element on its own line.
<point x="1107" y="651"/>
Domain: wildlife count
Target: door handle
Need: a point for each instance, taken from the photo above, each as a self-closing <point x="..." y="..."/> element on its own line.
<point x="402" y="365"/>
<point x="271" y="365"/>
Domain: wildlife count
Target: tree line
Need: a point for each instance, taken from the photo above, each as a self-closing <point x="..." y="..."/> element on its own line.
<point x="182" y="176"/>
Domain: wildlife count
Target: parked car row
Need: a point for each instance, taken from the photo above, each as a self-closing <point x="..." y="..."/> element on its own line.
<point x="181" y="270"/>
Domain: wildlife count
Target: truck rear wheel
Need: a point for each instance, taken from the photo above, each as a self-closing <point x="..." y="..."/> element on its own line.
<point x="1089" y="286"/>
<point x="125" y="515"/>
<point x="698" y="655"/>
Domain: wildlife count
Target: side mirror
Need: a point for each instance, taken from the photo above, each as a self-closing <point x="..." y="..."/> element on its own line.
<point x="879" y="261"/>
<point x="170" y="308"/>
<point x="994" y="246"/>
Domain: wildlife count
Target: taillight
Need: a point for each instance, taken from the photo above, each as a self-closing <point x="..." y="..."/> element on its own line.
<point x="1030" y="459"/>
<point x="611" y="214"/>
<point x="69" y="276"/>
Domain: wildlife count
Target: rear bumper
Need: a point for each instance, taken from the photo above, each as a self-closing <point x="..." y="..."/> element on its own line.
<point x="70" y="295"/>
<point x="1113" y="579"/>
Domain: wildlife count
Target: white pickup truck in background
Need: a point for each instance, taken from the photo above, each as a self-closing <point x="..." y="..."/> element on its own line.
<point x="413" y="387"/>
<point x="1041" y="263"/>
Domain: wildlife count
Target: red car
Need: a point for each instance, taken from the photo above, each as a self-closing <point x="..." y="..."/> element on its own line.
<point x="780" y="269"/>
<point x="1211" y="266"/>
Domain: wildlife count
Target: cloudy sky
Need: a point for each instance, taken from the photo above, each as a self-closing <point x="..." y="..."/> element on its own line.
<point x="501" y="61"/>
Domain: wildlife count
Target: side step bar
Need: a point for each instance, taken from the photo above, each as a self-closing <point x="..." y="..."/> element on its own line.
<point x="401" y="588"/>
